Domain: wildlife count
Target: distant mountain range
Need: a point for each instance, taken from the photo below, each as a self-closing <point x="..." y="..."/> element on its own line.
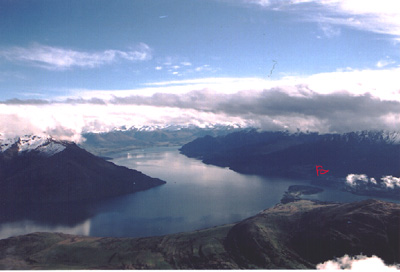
<point x="297" y="235"/>
<point x="42" y="169"/>
<point x="375" y="154"/>
<point x="124" y="139"/>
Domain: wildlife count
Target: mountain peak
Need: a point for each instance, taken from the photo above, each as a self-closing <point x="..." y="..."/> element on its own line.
<point x="43" y="145"/>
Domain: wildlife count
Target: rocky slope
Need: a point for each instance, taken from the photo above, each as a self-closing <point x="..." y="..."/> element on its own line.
<point x="37" y="169"/>
<point x="296" y="235"/>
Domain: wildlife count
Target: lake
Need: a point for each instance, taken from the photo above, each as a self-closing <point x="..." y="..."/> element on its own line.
<point x="196" y="196"/>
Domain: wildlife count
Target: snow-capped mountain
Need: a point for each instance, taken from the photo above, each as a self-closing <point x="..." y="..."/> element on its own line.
<point x="376" y="136"/>
<point x="45" y="146"/>
<point x="41" y="169"/>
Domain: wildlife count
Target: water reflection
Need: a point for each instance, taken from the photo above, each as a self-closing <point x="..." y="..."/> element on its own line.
<point x="27" y="226"/>
<point x="196" y="196"/>
<point x="16" y="219"/>
<point x="65" y="214"/>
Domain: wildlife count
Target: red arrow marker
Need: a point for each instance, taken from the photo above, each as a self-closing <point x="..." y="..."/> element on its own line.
<point x="320" y="170"/>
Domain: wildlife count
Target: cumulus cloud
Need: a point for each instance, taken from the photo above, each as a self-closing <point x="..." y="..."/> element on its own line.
<point x="352" y="179"/>
<point x="57" y="58"/>
<point x="360" y="263"/>
<point x="391" y="182"/>
<point x="362" y="181"/>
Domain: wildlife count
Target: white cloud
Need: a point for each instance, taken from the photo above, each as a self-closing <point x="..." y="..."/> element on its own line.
<point x="391" y="182"/>
<point x="375" y="16"/>
<point x="379" y="83"/>
<point x="263" y="3"/>
<point x="387" y="182"/>
<point x="351" y="179"/>
<point x="359" y="263"/>
<point x="179" y="66"/>
<point x="328" y="102"/>
<point x="204" y="67"/>
<point x="382" y="84"/>
<point x="329" y="30"/>
<point x="56" y="58"/>
<point x="385" y="62"/>
<point x="68" y="121"/>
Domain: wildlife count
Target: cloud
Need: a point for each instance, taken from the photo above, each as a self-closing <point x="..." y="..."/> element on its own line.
<point x="272" y="109"/>
<point x="263" y="3"/>
<point x="337" y="112"/>
<point x="353" y="179"/>
<point x="57" y="58"/>
<point x="329" y="30"/>
<point x="360" y="263"/>
<point x="375" y="16"/>
<point x="329" y="102"/>
<point x="357" y="181"/>
<point x="391" y="182"/>
<point x="181" y="66"/>
<point x="186" y="63"/>
<point x="385" y="62"/>
<point x="16" y="101"/>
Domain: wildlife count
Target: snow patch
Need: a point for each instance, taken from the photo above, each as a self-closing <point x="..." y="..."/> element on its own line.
<point x="50" y="149"/>
<point x="45" y="146"/>
<point x="7" y="143"/>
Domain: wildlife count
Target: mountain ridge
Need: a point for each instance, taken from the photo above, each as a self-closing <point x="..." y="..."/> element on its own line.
<point x="375" y="154"/>
<point x="286" y="236"/>
<point x="37" y="169"/>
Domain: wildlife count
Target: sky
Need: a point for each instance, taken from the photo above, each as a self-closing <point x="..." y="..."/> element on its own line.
<point x="68" y="67"/>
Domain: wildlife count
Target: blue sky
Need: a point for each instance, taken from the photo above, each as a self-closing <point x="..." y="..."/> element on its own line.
<point x="52" y="51"/>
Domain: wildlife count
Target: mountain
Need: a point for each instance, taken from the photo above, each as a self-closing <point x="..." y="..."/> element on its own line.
<point x="372" y="153"/>
<point x="42" y="169"/>
<point x="296" y="235"/>
<point x="122" y="139"/>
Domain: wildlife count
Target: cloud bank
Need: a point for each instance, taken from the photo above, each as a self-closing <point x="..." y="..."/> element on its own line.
<point x="359" y="263"/>
<point x="57" y="58"/>
<point x="336" y="102"/>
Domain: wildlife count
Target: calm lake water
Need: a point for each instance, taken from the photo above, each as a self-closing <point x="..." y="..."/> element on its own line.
<point x="196" y="196"/>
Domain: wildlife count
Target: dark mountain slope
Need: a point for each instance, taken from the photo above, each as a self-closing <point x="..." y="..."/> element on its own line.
<point x="296" y="155"/>
<point x="71" y="174"/>
<point x="297" y="235"/>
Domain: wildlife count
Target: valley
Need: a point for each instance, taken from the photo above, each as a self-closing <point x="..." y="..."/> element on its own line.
<point x="204" y="217"/>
